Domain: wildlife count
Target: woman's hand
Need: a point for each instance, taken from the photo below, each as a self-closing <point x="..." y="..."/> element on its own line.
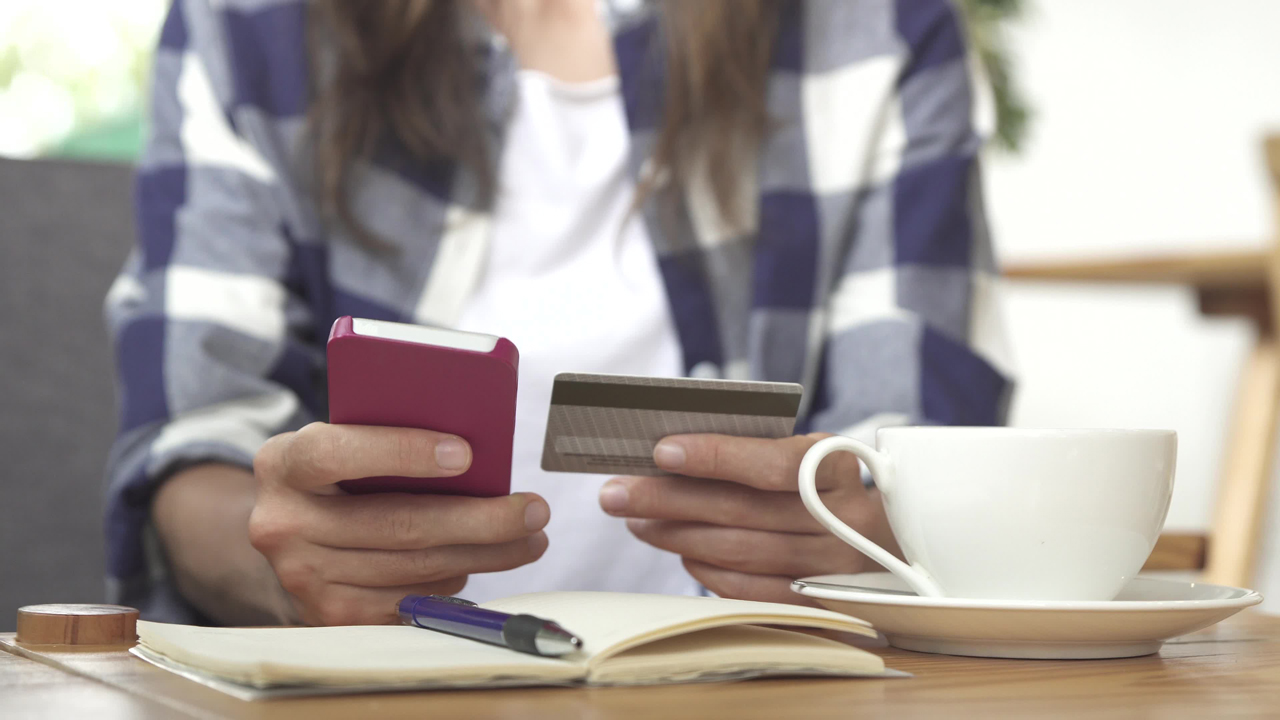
<point x="348" y="559"/>
<point x="734" y="513"/>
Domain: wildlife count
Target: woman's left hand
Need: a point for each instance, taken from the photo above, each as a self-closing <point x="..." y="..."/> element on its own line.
<point x="732" y="510"/>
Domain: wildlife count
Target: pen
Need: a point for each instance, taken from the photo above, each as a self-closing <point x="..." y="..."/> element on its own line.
<point x="455" y="616"/>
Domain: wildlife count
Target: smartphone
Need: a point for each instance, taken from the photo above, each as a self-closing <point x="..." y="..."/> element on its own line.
<point x="399" y="375"/>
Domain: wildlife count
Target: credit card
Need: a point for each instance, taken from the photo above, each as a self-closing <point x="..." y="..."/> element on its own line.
<point x="611" y="423"/>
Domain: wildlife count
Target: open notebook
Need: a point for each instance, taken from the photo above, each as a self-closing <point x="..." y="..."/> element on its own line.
<point x="627" y="639"/>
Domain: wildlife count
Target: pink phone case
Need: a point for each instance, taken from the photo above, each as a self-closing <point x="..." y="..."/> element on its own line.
<point x="379" y="381"/>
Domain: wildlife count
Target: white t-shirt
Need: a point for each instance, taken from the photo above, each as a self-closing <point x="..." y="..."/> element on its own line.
<point x="572" y="280"/>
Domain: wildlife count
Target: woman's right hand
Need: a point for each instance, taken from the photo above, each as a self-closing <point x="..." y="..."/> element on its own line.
<point x="348" y="559"/>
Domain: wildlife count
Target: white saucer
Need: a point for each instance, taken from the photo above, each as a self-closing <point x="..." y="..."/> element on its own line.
<point x="1145" y="614"/>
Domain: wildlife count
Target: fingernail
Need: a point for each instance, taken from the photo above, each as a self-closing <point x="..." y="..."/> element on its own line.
<point x="536" y="515"/>
<point x="613" y="497"/>
<point x="452" y="454"/>
<point x="669" y="454"/>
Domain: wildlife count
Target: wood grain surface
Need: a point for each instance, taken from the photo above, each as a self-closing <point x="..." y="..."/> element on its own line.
<point x="1232" y="670"/>
<point x="31" y="690"/>
<point x="67" y="624"/>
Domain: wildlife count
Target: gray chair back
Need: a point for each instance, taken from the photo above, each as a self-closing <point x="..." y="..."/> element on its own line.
<point x="65" y="228"/>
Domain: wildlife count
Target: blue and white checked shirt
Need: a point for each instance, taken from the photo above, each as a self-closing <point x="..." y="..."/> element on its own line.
<point x="863" y="270"/>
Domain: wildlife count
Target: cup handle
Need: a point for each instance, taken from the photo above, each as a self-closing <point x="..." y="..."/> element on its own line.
<point x="881" y="467"/>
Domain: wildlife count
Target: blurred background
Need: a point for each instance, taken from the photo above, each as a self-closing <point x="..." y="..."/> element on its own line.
<point x="1136" y="129"/>
<point x="75" y="88"/>
<point x="1148" y="118"/>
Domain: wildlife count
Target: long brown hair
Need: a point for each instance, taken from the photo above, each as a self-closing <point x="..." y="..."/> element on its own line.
<point x="403" y="70"/>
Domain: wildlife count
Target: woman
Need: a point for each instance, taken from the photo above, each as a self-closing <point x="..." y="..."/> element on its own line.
<point x="768" y="190"/>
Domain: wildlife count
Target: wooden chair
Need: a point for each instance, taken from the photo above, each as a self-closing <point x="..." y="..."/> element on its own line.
<point x="1242" y="284"/>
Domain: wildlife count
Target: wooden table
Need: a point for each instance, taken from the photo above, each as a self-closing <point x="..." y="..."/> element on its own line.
<point x="1232" y="670"/>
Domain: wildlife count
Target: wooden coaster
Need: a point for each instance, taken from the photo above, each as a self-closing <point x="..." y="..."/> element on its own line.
<point x="83" y="625"/>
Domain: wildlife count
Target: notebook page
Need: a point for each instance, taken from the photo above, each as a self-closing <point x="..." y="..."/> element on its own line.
<point x="344" y="655"/>
<point x="734" y="653"/>
<point x="610" y="622"/>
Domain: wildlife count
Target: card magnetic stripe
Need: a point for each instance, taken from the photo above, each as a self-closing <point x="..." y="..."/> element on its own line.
<point x="676" y="399"/>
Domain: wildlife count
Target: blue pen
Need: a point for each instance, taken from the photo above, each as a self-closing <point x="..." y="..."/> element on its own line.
<point x="455" y="616"/>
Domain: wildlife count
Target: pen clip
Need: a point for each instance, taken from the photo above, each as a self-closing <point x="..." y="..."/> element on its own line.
<point x="451" y="599"/>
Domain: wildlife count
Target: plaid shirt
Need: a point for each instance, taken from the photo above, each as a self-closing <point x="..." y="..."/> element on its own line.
<point x="864" y="270"/>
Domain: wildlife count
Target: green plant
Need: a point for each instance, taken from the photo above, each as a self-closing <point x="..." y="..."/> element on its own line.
<point x="986" y="20"/>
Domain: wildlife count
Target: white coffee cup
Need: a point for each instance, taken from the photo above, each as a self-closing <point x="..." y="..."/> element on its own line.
<point x="1007" y="513"/>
